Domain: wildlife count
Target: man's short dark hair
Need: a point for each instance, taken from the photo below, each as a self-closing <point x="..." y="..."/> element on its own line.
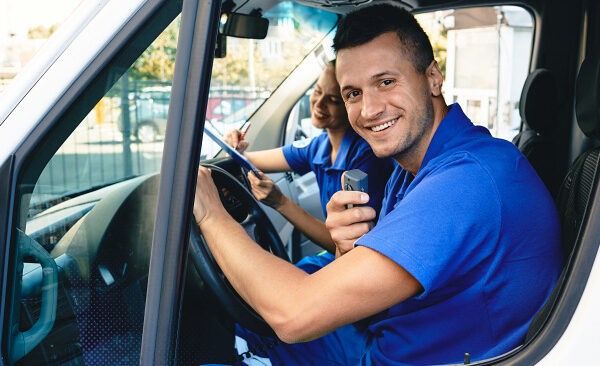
<point x="364" y="25"/>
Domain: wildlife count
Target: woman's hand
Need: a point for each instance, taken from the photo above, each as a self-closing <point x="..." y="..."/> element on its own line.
<point x="207" y="202"/>
<point x="265" y="190"/>
<point x="235" y="139"/>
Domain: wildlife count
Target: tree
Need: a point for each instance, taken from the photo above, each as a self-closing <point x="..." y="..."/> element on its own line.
<point x="41" y="32"/>
<point x="158" y="60"/>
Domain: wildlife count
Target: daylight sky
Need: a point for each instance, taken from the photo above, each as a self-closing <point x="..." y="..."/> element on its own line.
<point x="17" y="16"/>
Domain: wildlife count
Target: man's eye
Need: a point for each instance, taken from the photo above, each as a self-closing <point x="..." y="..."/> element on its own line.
<point x="387" y="82"/>
<point x="352" y="94"/>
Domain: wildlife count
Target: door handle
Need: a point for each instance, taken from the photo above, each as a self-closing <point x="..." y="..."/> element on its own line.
<point x="24" y="342"/>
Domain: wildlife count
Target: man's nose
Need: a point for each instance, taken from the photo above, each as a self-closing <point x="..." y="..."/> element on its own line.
<point x="372" y="106"/>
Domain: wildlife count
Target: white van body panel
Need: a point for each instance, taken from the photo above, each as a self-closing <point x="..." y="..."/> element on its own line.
<point x="44" y="84"/>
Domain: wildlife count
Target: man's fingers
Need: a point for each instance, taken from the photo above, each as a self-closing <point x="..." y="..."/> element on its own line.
<point x="340" y="199"/>
<point x="348" y="217"/>
<point x="345" y="237"/>
<point x="203" y="171"/>
<point x="351" y="232"/>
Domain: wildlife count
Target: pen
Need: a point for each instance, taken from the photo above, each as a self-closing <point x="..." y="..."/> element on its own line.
<point x="246" y="130"/>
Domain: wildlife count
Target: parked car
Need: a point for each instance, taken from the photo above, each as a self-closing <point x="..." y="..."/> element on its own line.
<point x="148" y="109"/>
<point x="99" y="258"/>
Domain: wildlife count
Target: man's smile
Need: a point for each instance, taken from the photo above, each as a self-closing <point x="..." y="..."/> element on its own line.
<point x="383" y="126"/>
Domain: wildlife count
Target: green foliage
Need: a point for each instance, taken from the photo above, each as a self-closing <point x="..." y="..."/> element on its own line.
<point x="439" y="53"/>
<point x="158" y="60"/>
<point x="41" y="32"/>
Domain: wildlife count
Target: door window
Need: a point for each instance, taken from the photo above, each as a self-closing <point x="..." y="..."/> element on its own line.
<point x="87" y="219"/>
<point x="484" y="54"/>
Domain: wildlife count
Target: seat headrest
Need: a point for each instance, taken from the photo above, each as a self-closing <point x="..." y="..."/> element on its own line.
<point x="539" y="101"/>
<point x="587" y="96"/>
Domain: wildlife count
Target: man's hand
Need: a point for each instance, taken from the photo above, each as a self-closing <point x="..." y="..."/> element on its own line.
<point x="235" y="139"/>
<point x="347" y="225"/>
<point x="265" y="190"/>
<point x="206" y="199"/>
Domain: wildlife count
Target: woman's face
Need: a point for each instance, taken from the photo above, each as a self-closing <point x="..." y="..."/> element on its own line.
<point x="326" y="105"/>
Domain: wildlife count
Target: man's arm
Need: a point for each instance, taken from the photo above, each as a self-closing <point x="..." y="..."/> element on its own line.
<point x="298" y="306"/>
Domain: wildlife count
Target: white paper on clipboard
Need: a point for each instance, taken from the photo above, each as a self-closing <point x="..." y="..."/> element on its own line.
<point x="235" y="155"/>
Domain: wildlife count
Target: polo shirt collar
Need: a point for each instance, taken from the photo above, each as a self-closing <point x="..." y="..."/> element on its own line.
<point x="323" y="155"/>
<point x="450" y="127"/>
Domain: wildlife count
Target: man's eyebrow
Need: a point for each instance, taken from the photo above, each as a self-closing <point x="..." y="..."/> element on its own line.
<point x="383" y="73"/>
<point x="346" y="88"/>
<point x="373" y="77"/>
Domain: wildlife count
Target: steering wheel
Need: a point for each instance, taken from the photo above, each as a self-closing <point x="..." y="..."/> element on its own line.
<point x="236" y="197"/>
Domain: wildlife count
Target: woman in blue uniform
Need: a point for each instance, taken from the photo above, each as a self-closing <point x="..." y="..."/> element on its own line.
<point x="328" y="155"/>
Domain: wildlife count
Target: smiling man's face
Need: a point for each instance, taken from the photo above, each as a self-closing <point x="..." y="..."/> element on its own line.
<point x="388" y="102"/>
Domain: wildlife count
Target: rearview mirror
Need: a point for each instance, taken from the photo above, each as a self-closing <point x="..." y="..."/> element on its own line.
<point x="245" y="26"/>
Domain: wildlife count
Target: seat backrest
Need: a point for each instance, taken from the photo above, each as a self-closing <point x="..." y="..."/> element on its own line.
<point x="577" y="191"/>
<point x="538" y="107"/>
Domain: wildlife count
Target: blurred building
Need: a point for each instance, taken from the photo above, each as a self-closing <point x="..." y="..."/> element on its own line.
<point x="483" y="43"/>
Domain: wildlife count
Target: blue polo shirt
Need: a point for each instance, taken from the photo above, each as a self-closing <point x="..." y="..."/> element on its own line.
<point x="480" y="232"/>
<point x="354" y="153"/>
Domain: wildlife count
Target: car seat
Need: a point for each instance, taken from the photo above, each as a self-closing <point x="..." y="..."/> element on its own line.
<point x="578" y="190"/>
<point x="538" y="108"/>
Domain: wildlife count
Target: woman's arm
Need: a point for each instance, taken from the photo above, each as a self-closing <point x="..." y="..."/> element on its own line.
<point x="266" y="191"/>
<point x="267" y="160"/>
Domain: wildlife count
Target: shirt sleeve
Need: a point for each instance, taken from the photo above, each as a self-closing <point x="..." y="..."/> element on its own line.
<point x="445" y="227"/>
<point x="299" y="155"/>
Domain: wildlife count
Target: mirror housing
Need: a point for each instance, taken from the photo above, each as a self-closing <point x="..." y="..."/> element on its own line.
<point x="245" y="26"/>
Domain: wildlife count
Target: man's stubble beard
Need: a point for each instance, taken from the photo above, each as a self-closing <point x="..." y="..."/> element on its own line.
<point x="412" y="146"/>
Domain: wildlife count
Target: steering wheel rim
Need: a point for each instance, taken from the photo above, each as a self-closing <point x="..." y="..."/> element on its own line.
<point x="265" y="235"/>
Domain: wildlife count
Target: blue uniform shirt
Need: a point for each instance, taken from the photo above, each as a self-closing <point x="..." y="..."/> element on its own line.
<point x="480" y="232"/>
<point x="354" y="153"/>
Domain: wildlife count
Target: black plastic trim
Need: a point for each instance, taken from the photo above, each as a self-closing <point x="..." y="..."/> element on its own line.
<point x="181" y="155"/>
<point x="6" y="203"/>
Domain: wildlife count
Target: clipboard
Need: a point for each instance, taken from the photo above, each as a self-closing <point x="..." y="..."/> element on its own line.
<point x="235" y="155"/>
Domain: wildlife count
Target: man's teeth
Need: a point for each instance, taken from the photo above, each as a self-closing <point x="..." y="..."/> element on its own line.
<point x="383" y="126"/>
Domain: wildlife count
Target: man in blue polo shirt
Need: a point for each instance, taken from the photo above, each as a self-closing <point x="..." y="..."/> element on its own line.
<point x="328" y="155"/>
<point x="465" y="251"/>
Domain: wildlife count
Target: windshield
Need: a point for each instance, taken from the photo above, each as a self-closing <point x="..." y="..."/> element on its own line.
<point x="122" y="136"/>
<point x="252" y="69"/>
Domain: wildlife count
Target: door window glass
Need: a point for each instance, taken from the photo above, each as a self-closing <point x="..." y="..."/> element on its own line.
<point x="473" y="47"/>
<point x="484" y="54"/>
<point x="88" y="219"/>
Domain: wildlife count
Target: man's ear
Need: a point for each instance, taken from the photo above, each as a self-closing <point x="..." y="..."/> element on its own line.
<point x="435" y="78"/>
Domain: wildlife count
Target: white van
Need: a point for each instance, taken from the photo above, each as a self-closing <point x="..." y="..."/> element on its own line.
<point x="99" y="258"/>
